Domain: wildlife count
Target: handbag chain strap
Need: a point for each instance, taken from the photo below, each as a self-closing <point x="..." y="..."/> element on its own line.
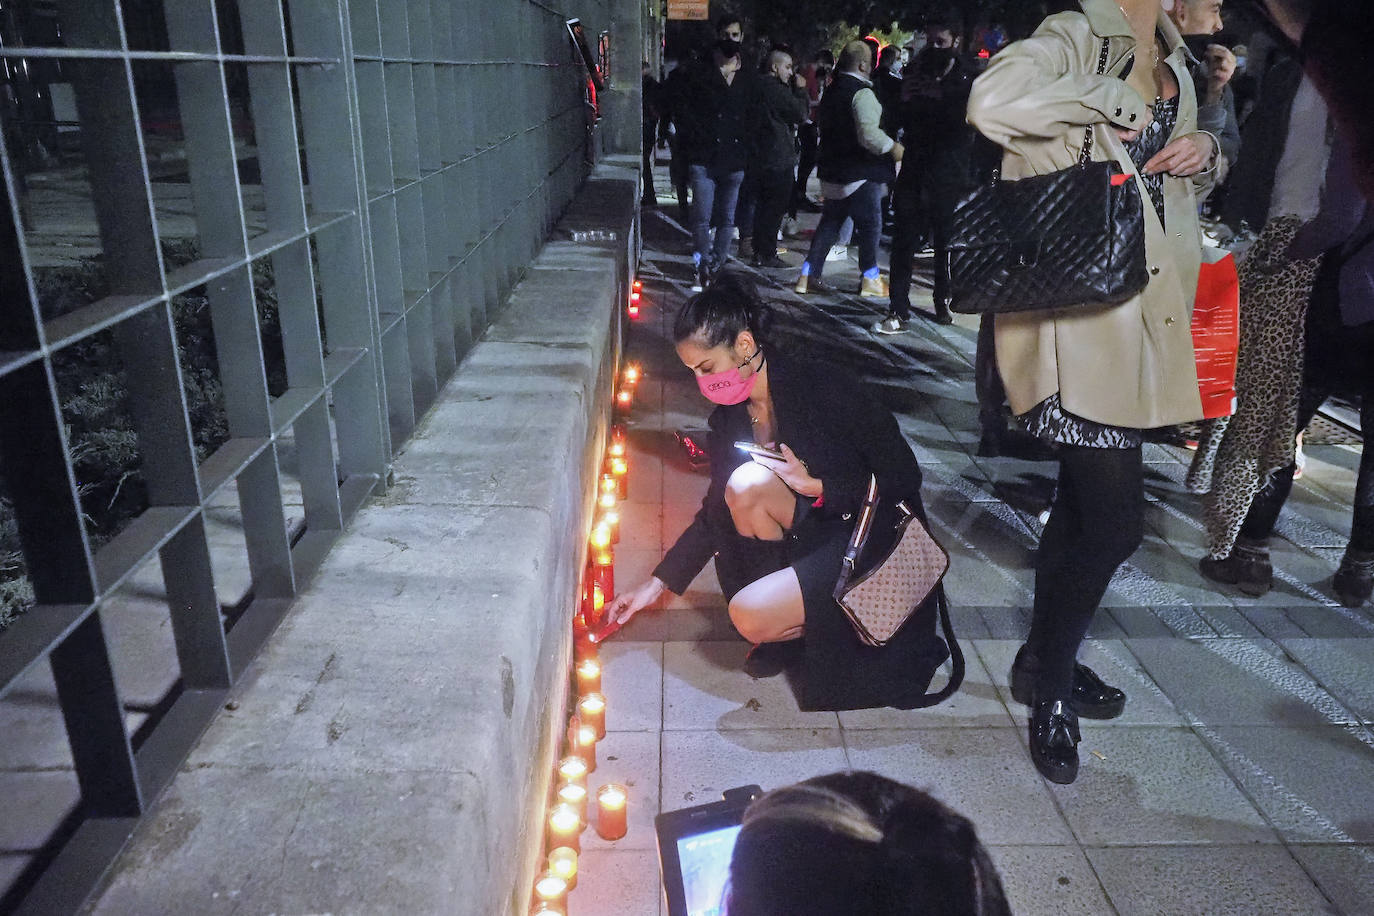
<point x="1086" y="155"/>
<point x="861" y="528"/>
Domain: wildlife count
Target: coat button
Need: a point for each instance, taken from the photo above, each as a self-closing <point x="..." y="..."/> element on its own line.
<point x="1154" y="270"/>
<point x="1132" y="119"/>
<point x="847" y="516"/>
<point x="1169" y="322"/>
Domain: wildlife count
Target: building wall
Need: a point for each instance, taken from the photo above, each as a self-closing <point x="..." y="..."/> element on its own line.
<point x="243" y="245"/>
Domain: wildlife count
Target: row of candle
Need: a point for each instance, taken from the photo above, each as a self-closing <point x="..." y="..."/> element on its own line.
<point x="587" y="726"/>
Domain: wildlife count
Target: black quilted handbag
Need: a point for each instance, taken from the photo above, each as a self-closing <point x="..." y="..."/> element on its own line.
<point x="1075" y="237"/>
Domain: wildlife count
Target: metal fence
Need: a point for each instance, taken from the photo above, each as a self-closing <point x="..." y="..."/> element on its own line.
<point x="340" y="192"/>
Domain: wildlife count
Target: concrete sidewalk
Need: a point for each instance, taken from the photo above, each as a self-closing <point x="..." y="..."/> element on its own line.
<point x="1236" y="782"/>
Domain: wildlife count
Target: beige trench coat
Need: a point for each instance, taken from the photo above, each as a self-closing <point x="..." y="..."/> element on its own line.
<point x="1126" y="365"/>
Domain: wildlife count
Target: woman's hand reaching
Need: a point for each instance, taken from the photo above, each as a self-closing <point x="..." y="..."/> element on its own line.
<point x="627" y="604"/>
<point x="793" y="472"/>
<point x="1185" y="156"/>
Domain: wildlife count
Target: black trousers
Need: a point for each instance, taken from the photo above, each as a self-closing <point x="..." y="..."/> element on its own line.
<point x="1337" y="358"/>
<point x="771" y="191"/>
<point x="921" y="209"/>
<point x="987" y="381"/>
<point x="1096" y="524"/>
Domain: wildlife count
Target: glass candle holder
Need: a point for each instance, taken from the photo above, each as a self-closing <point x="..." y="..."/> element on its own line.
<point x="612" y="804"/>
<point x="588" y="676"/>
<point x="591" y="709"/>
<point x="573" y="769"/>
<point x="550" y="888"/>
<point x="563" y="862"/>
<point x="574" y="794"/>
<point x="565" y="828"/>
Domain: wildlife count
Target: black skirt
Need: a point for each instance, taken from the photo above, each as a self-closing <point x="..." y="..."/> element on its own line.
<point x="839" y="672"/>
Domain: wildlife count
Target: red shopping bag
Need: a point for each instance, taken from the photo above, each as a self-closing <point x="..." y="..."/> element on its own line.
<point x="1216" y="332"/>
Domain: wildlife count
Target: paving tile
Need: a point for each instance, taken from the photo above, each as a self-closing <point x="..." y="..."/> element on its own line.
<point x="632" y="680"/>
<point x="975" y="705"/>
<point x="1344" y="873"/>
<point x="1007" y="622"/>
<point x="1146" y="704"/>
<point x="968" y="622"/>
<point x="616" y="882"/>
<point x="982" y="773"/>
<point x="631" y="759"/>
<point x="35" y="803"/>
<point x="1138" y="621"/>
<point x="1343" y="666"/>
<point x="705" y="687"/>
<point x="699" y="765"/>
<point x="1227" y="620"/>
<point x="1236" y="682"/>
<point x="1273" y="622"/>
<point x="1302" y="778"/>
<point x="1217" y="881"/>
<point x="1151" y="785"/>
<point x="1049" y="881"/>
<point x="641" y="528"/>
<point x="1332" y="622"/>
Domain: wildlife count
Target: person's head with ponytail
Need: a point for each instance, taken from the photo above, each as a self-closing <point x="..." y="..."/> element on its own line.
<point x="721" y="334"/>
<point x="859" y="843"/>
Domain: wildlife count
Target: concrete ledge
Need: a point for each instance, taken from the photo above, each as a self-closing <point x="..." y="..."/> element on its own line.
<point x="391" y="749"/>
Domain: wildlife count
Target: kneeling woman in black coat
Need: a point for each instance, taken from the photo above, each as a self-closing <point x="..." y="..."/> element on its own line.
<point x="778" y="528"/>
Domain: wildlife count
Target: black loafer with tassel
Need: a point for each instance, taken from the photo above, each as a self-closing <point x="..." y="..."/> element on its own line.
<point x="1091" y="697"/>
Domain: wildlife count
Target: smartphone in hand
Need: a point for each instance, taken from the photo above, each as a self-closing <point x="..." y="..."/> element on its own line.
<point x="754" y="448"/>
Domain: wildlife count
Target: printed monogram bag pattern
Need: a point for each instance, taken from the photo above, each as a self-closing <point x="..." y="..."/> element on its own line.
<point x="880" y="601"/>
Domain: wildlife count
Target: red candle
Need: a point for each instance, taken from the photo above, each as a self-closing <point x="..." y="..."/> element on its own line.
<point x="588" y="676"/>
<point x="611" y="809"/>
<point x="564" y="827"/>
<point x="585" y="745"/>
<point x="573" y="770"/>
<point x="574" y="794"/>
<point x="563" y="863"/>
<point x="591" y="709"/>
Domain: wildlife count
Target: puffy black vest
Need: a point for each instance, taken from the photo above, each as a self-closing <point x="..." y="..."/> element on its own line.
<point x="842" y="159"/>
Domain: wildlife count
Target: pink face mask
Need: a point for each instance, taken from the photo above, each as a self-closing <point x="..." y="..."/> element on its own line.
<point x="726" y="387"/>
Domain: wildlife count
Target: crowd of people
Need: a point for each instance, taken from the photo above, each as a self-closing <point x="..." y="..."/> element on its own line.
<point x="1258" y="144"/>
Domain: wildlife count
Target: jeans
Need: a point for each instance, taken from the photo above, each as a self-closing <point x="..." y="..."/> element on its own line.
<point x="863" y="206"/>
<point x="713" y="204"/>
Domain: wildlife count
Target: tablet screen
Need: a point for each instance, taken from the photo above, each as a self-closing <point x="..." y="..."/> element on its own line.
<point x="705" y="859"/>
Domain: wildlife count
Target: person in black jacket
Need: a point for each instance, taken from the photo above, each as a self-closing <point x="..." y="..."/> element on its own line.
<point x="936" y="169"/>
<point x="709" y="112"/>
<point x="780" y="103"/>
<point x="778" y="529"/>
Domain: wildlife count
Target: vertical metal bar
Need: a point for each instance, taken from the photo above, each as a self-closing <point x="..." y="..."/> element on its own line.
<point x="376" y="137"/>
<point x="400" y="401"/>
<point x="197" y="627"/>
<point x="123" y="202"/>
<point x="424" y="382"/>
<point x="296" y="310"/>
<point x="386" y="257"/>
<point x="147" y="347"/>
<point x="401" y="121"/>
<point x="319" y="469"/>
<point x="95" y="723"/>
<point x="264" y="527"/>
<point x="410" y="221"/>
<point x="238" y="344"/>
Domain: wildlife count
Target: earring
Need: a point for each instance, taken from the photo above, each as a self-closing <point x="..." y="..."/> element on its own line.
<point x="1168" y="5"/>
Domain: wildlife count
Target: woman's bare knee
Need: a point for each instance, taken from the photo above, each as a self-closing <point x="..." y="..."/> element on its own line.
<point x="751" y="494"/>
<point x="749" y="623"/>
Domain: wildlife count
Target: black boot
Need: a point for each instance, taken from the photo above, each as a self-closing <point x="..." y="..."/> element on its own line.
<point x="1090" y="697"/>
<point x="1354" y="581"/>
<point x="1247" y="568"/>
<point x="1054" y="741"/>
<point x="769" y="659"/>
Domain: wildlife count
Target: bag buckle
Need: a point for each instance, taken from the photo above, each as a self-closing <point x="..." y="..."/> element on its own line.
<point x="1024" y="254"/>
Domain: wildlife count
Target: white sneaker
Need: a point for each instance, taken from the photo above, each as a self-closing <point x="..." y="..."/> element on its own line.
<point x="791" y="228"/>
<point x="837" y="253"/>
